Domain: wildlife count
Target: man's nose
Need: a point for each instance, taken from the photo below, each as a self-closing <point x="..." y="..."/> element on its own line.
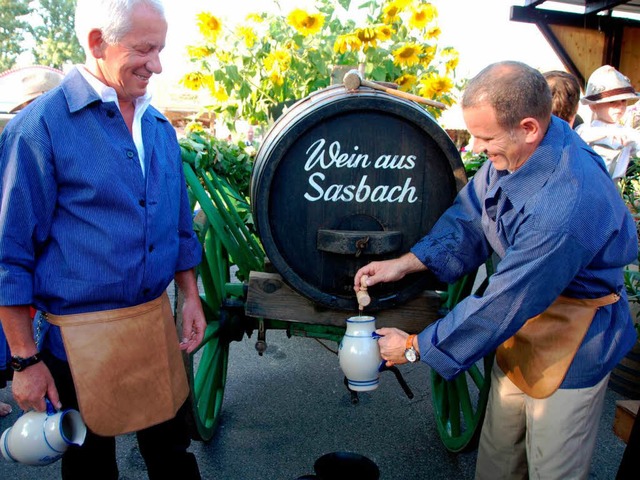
<point x="154" y="65"/>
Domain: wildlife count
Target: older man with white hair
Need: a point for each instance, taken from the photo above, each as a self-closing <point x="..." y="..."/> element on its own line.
<point x="95" y="224"/>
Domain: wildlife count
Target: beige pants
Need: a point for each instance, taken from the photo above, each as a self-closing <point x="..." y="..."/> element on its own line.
<point x="550" y="438"/>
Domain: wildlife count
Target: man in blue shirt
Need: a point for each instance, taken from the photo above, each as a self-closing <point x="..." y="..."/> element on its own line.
<point x="95" y="217"/>
<point x="556" y="309"/>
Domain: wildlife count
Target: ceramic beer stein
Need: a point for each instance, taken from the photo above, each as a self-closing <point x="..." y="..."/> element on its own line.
<point x="40" y="438"/>
<point x="359" y="354"/>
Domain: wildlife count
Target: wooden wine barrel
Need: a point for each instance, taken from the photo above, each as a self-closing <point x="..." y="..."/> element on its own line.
<point x="344" y="178"/>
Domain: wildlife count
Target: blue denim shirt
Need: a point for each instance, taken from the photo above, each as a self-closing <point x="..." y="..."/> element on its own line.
<point x="81" y="228"/>
<point x="560" y="227"/>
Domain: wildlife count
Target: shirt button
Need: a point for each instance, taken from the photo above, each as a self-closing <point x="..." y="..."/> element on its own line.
<point x="130" y="154"/>
<point x="146" y="291"/>
<point x="151" y="248"/>
<point x="142" y="203"/>
<point x="111" y="113"/>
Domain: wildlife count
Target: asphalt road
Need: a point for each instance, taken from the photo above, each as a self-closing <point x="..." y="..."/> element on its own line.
<point x="287" y="408"/>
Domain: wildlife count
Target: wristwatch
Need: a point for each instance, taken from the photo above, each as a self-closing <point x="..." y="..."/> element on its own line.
<point x="411" y="354"/>
<point x="19" y="364"/>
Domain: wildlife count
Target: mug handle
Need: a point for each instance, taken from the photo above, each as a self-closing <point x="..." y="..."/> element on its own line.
<point x="50" y="408"/>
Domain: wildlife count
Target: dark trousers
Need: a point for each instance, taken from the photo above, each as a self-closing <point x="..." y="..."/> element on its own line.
<point x="163" y="447"/>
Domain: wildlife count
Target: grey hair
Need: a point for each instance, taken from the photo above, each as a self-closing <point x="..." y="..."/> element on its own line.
<point x="514" y="90"/>
<point x="111" y="17"/>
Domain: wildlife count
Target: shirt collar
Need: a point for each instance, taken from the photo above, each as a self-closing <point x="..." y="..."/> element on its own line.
<point x="535" y="172"/>
<point x="108" y="94"/>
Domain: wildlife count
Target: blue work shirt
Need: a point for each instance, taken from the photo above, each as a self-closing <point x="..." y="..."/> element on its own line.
<point x="560" y="227"/>
<point x="81" y="228"/>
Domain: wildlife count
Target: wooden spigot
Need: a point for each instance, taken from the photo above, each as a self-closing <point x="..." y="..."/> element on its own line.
<point x="362" y="295"/>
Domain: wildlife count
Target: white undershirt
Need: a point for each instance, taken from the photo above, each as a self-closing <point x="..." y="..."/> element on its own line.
<point x="108" y="94"/>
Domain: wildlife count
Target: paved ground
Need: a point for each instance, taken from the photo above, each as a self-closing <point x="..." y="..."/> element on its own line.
<point x="284" y="410"/>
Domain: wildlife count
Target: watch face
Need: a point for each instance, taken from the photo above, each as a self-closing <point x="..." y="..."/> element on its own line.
<point x="410" y="354"/>
<point x="16" y="364"/>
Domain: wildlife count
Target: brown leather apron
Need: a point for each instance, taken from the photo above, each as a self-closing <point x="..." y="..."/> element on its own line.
<point x="536" y="359"/>
<point x="126" y="365"/>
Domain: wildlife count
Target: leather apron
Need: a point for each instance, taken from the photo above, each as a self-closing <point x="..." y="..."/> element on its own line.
<point x="536" y="359"/>
<point x="126" y="364"/>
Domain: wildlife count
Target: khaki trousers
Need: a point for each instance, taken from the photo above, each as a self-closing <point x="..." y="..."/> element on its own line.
<point x="550" y="438"/>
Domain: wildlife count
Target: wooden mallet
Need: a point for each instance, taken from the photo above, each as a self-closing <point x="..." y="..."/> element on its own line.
<point x="353" y="80"/>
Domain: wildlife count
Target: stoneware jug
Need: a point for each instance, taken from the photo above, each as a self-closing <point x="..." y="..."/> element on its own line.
<point x="359" y="354"/>
<point x="40" y="438"/>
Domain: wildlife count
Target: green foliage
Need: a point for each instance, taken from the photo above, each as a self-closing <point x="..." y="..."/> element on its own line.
<point x="630" y="191"/>
<point x="473" y="162"/>
<point x="55" y="40"/>
<point x="232" y="161"/>
<point x="13" y="26"/>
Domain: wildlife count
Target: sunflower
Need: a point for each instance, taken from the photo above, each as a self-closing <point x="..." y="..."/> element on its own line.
<point x="384" y="32"/>
<point x="218" y="92"/>
<point x="435" y="85"/>
<point x="406" y="81"/>
<point x="346" y="42"/>
<point x="276" y="78"/>
<point x="198" y="52"/>
<point x="196" y="80"/>
<point x="422" y="15"/>
<point x="433" y="33"/>
<point x="254" y="17"/>
<point x="209" y="26"/>
<point x="249" y="35"/>
<point x="305" y="23"/>
<point x="428" y="54"/>
<point x="451" y="57"/>
<point x="277" y="62"/>
<point x="367" y="37"/>
<point x="194" y="127"/>
<point x="391" y="13"/>
<point x="408" y="54"/>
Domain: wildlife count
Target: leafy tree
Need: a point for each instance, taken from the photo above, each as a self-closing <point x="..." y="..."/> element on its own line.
<point x="55" y="40"/>
<point x="12" y="28"/>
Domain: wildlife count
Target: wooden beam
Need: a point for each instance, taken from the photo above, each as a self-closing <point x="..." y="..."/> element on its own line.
<point x="594" y="7"/>
<point x="270" y="297"/>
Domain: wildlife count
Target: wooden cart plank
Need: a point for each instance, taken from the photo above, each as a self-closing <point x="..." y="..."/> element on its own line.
<point x="270" y="297"/>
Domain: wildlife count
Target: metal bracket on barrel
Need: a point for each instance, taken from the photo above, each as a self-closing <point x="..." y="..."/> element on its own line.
<point x="355" y="242"/>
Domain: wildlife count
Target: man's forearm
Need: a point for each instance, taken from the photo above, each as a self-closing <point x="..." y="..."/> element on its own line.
<point x="16" y="323"/>
<point x="187" y="284"/>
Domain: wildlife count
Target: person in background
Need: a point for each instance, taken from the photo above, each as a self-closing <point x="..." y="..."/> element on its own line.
<point x="555" y="310"/>
<point x="18" y="88"/>
<point x="608" y="94"/>
<point x="95" y="224"/>
<point x="565" y="95"/>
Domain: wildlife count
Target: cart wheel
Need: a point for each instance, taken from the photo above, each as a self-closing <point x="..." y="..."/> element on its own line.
<point x="460" y="404"/>
<point x="208" y="377"/>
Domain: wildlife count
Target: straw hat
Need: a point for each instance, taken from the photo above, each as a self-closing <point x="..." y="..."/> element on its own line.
<point x="606" y="84"/>
<point x="21" y="85"/>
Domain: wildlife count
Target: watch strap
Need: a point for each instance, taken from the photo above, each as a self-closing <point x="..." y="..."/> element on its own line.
<point x="18" y="363"/>
<point x="409" y="343"/>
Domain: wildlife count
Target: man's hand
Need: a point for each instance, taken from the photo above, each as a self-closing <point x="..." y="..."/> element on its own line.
<point x="193" y="321"/>
<point x="392" y="343"/>
<point x="30" y="387"/>
<point x="193" y="324"/>
<point x="388" y="270"/>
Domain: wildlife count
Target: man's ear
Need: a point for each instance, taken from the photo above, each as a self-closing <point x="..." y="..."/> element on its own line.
<point x="532" y="129"/>
<point x="96" y="43"/>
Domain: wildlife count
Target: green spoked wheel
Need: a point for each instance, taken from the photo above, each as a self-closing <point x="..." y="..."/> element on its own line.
<point x="221" y="226"/>
<point x="459" y="404"/>
<point x="207" y="378"/>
